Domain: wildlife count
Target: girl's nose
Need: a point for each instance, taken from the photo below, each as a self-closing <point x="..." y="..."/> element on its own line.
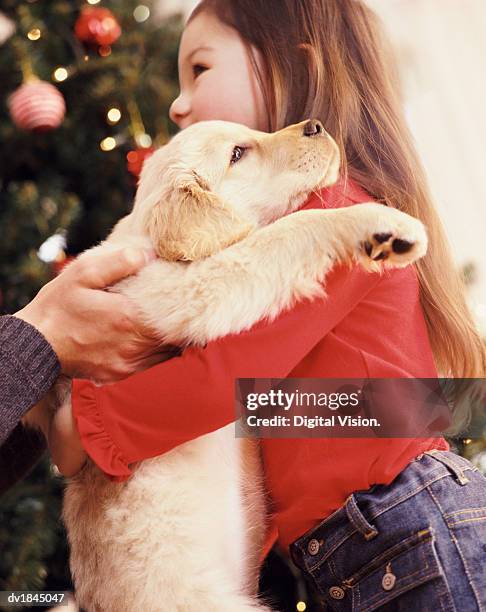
<point x="179" y="109"/>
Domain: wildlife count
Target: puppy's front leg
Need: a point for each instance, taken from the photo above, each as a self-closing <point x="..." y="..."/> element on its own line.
<point x="269" y="270"/>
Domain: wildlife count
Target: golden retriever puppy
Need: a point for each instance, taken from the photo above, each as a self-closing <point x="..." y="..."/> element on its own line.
<point x="185" y="532"/>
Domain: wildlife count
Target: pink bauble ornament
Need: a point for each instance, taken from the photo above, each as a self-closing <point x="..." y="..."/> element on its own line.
<point x="37" y="106"/>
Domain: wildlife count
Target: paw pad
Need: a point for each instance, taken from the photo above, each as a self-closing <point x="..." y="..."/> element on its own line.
<point x="401" y="246"/>
<point x="382" y="237"/>
<point x="382" y="245"/>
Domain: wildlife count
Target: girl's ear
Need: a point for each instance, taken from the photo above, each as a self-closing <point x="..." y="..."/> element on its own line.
<point x="192" y="222"/>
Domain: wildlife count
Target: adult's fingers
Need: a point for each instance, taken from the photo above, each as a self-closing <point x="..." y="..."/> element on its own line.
<point x="149" y="362"/>
<point x="101" y="270"/>
<point x="124" y="369"/>
<point x="163" y="355"/>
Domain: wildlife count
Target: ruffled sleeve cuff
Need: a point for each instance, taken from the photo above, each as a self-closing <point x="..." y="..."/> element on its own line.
<point x="96" y="441"/>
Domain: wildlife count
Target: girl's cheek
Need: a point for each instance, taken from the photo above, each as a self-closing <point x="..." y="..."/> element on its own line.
<point x="206" y="104"/>
<point x="230" y="102"/>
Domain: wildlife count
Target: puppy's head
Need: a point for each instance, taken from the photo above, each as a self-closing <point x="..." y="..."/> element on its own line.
<point x="215" y="181"/>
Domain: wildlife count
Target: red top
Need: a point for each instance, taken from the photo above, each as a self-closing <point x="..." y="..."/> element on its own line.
<point x="370" y="325"/>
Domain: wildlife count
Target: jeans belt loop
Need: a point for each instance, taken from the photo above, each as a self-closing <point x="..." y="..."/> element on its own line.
<point x="357" y="519"/>
<point x="456" y="470"/>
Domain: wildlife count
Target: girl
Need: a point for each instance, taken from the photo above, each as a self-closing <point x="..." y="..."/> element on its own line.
<point x="371" y="522"/>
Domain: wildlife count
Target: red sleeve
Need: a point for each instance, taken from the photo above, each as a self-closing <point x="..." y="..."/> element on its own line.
<point x="153" y="411"/>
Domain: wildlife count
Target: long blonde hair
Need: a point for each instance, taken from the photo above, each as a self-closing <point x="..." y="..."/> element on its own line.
<point x="328" y="59"/>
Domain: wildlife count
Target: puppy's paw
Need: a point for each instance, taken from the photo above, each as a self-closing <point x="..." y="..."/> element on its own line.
<point x="394" y="239"/>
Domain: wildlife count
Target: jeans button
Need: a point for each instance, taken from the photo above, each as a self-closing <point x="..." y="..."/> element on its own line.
<point x="389" y="579"/>
<point x="313" y="547"/>
<point x="336" y="592"/>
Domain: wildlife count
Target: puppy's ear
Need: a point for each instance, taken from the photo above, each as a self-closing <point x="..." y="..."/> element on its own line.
<point x="193" y="223"/>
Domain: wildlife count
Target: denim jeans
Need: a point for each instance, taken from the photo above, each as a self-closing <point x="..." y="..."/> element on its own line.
<point x="417" y="545"/>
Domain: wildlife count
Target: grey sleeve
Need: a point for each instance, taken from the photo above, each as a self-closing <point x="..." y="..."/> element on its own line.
<point x="28" y="369"/>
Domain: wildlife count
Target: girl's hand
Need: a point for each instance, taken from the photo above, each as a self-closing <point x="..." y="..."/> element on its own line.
<point x="63" y="438"/>
<point x="65" y="446"/>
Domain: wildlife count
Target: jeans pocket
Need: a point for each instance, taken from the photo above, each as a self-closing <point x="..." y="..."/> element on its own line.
<point x="406" y="576"/>
<point x="468" y="529"/>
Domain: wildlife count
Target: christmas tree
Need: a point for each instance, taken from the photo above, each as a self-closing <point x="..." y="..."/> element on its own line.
<point x="85" y="96"/>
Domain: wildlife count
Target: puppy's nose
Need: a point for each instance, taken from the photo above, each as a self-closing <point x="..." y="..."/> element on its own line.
<point x="313" y="128"/>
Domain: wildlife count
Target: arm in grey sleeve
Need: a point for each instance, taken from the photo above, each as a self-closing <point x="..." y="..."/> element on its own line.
<point x="28" y="369"/>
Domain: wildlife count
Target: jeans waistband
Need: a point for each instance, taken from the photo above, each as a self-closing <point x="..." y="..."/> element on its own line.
<point x="362" y="507"/>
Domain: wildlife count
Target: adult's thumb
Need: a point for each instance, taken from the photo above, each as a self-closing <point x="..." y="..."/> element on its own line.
<point x="101" y="270"/>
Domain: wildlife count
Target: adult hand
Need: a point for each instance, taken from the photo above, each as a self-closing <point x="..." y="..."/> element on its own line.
<point x="96" y="334"/>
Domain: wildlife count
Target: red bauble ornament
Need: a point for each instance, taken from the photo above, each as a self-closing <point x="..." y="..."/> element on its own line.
<point x="37" y="106"/>
<point x="136" y="158"/>
<point x="97" y="26"/>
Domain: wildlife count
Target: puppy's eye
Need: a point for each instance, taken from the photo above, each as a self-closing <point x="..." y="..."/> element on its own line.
<point x="198" y="69"/>
<point x="237" y="154"/>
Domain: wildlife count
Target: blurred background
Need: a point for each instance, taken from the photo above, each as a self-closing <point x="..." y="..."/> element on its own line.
<point x="84" y="95"/>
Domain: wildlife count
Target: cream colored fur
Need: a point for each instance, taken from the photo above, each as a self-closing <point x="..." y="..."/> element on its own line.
<point x="185" y="532"/>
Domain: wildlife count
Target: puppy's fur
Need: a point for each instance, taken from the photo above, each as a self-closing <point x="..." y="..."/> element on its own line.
<point x="185" y="532"/>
